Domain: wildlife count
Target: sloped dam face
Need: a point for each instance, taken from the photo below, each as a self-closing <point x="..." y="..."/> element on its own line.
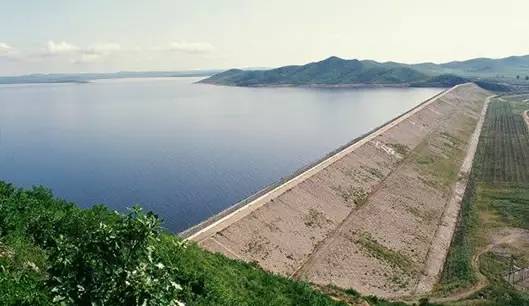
<point x="377" y="216"/>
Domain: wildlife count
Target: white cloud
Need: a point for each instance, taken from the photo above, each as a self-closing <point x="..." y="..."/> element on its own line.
<point x="61" y="47"/>
<point x="77" y="55"/>
<point x="61" y="51"/>
<point x="105" y="48"/>
<point x="191" y="47"/>
<point x="95" y="52"/>
<point x="5" y="49"/>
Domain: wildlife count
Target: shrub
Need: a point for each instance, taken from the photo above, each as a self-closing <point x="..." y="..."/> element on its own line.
<point x="113" y="264"/>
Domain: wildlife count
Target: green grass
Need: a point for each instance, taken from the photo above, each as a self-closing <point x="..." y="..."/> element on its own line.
<point x="438" y="162"/>
<point x="458" y="271"/>
<point x="352" y="194"/>
<point x="511" y="204"/>
<point x="222" y="281"/>
<point x="383" y="253"/>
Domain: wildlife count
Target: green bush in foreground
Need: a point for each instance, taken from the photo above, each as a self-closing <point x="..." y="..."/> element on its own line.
<point x="53" y="253"/>
<point x="115" y="264"/>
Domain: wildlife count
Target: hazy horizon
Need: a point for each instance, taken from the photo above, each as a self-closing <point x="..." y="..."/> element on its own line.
<point x="248" y="68"/>
<point x="98" y="36"/>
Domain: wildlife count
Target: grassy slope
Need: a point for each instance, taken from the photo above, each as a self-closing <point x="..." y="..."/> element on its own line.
<point x="31" y="220"/>
<point x="497" y="198"/>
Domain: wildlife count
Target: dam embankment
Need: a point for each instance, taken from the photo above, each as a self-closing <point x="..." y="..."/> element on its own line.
<point x="365" y="217"/>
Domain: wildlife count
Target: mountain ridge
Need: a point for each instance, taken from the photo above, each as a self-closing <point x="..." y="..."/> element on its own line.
<point x="334" y="71"/>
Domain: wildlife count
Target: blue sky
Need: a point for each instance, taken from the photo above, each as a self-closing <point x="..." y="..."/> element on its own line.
<point x="76" y="36"/>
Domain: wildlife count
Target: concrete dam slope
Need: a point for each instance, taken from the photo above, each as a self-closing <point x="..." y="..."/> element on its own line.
<point x="370" y="217"/>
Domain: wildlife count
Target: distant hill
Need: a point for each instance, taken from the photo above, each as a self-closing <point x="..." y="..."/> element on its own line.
<point x="335" y="71"/>
<point x="331" y="71"/>
<point x="507" y="67"/>
<point x="86" y="77"/>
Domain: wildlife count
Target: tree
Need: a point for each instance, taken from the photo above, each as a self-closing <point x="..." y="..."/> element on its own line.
<point x="527" y="77"/>
<point x="517" y="77"/>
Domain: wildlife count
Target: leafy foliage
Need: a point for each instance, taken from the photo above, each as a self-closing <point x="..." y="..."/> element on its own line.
<point x="81" y="271"/>
<point x="53" y="253"/>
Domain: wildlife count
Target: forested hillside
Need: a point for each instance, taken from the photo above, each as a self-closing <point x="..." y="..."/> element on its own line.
<point x="338" y="71"/>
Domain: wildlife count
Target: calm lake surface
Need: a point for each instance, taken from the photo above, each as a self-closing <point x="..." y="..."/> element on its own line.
<point x="185" y="151"/>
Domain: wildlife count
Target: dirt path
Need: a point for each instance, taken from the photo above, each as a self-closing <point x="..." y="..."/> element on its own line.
<point x="443" y="237"/>
<point x="482" y="282"/>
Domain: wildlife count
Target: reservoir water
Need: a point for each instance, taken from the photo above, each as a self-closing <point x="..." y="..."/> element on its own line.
<point x="185" y="151"/>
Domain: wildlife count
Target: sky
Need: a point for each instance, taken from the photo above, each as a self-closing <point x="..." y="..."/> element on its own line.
<point x="53" y="36"/>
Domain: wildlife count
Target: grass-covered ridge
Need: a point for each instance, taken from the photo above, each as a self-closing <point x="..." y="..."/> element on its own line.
<point x="54" y="253"/>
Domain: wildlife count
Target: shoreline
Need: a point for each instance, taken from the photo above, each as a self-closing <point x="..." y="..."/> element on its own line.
<point x="195" y="231"/>
<point x="351" y="85"/>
